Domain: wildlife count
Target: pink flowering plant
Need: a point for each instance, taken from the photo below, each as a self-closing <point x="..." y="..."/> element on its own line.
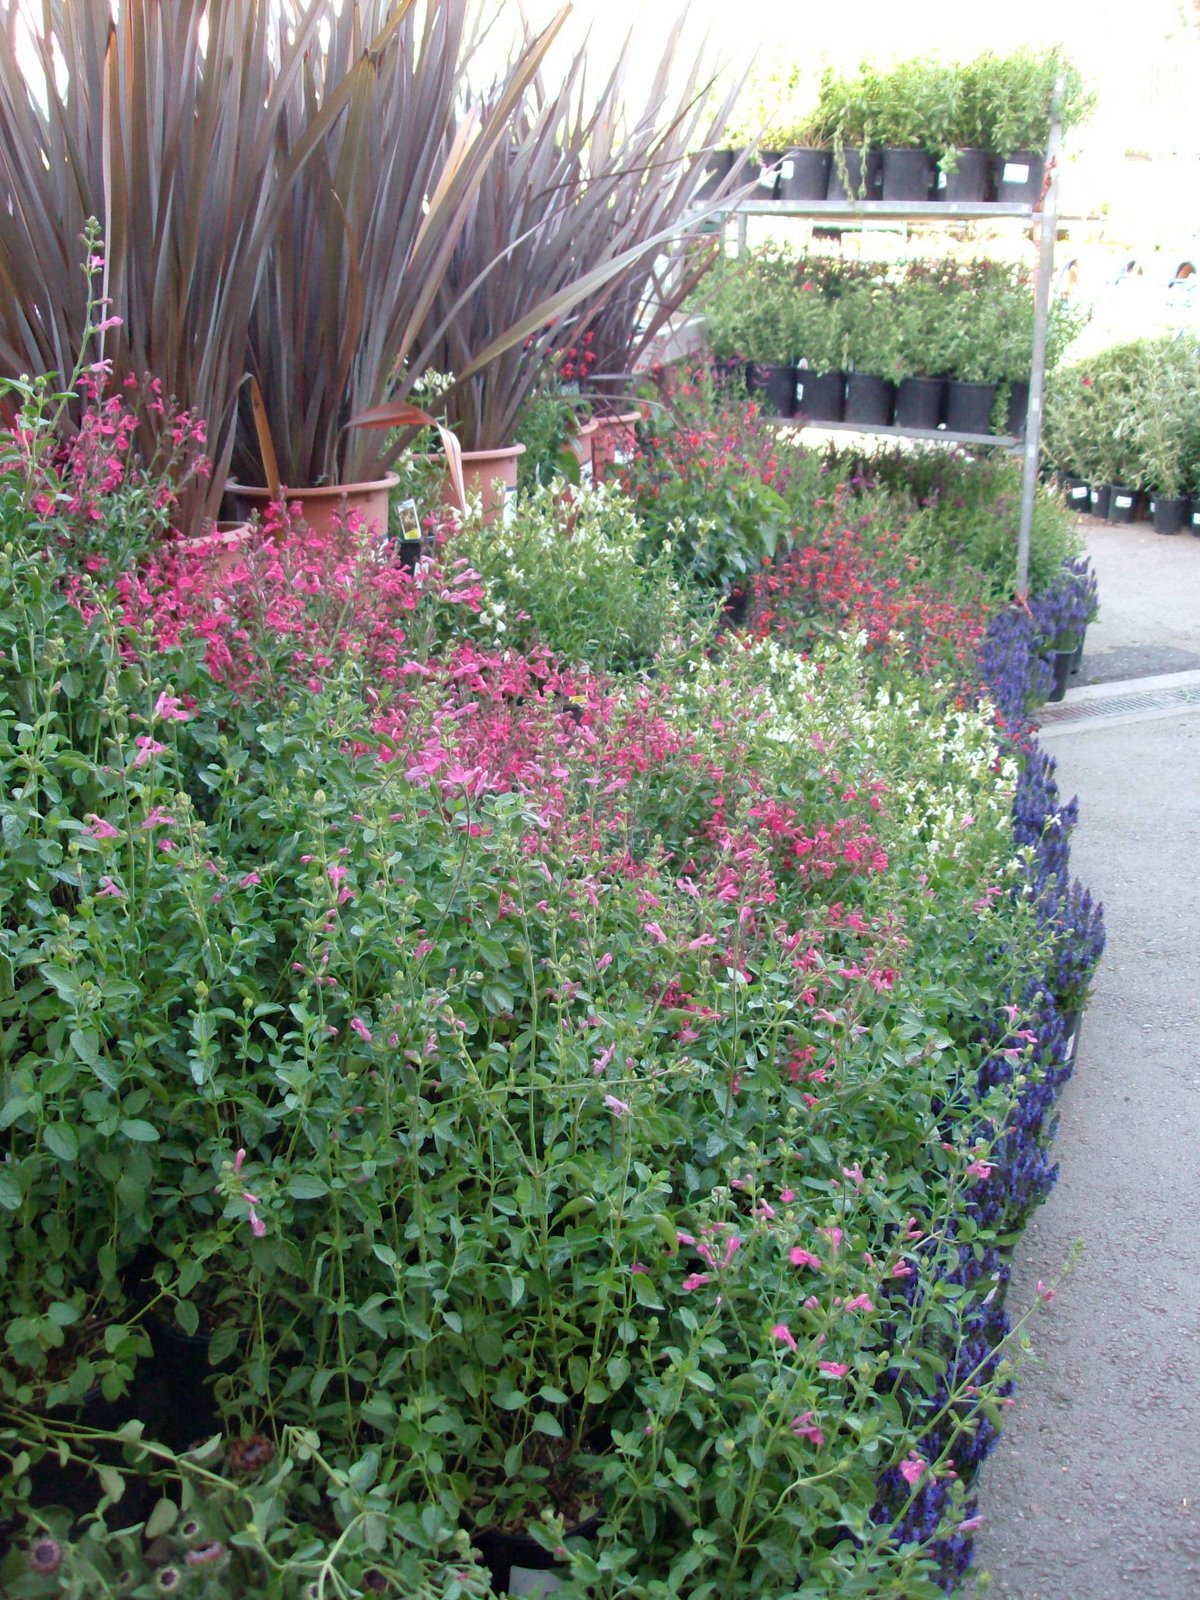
<point x="538" y="1090"/>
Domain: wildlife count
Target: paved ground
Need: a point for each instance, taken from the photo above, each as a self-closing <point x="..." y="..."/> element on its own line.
<point x="1094" y="1491"/>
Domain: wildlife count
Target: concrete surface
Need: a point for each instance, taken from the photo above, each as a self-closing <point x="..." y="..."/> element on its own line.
<point x="1093" y="1493"/>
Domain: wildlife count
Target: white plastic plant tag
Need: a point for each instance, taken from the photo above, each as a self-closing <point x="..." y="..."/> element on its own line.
<point x="941" y="183"/>
<point x="787" y="170"/>
<point x="524" y="1580"/>
<point x="410" y="522"/>
<point x="767" y="177"/>
<point x="1122" y="501"/>
<point x="509" y="515"/>
<point x="1196" y="519"/>
<point x="1079" y="492"/>
<point x="1016" y="172"/>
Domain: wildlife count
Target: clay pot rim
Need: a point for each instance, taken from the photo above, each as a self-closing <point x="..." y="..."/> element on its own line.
<point x="506" y="452"/>
<point x="325" y="491"/>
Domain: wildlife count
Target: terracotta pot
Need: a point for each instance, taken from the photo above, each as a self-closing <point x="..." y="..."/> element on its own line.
<point x="492" y="474"/>
<point x="613" y="442"/>
<point x="225" y="545"/>
<point x="322" y="507"/>
<point x="581" y="442"/>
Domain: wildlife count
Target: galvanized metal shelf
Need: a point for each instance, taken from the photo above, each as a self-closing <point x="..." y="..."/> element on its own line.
<point x="998" y="441"/>
<point x="886" y="210"/>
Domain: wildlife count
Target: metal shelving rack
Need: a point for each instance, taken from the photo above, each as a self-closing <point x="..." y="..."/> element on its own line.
<point x="864" y="213"/>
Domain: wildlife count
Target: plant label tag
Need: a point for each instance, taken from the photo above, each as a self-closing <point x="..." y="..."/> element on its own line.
<point x="509" y="514"/>
<point x="1153" y="507"/>
<point x="1196" y="519"/>
<point x="1122" y="501"/>
<point x="524" y="1580"/>
<point x="766" y="178"/>
<point x="410" y="522"/>
<point x="1016" y="172"/>
<point x="787" y="170"/>
<point x="1095" y="497"/>
<point x="941" y="183"/>
<point x="1079" y="493"/>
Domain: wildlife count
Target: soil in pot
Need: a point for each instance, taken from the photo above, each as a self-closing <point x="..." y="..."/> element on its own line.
<point x="820" y="396"/>
<point x="1017" y="414"/>
<point x="1169" y="513"/>
<point x="907" y="174"/>
<point x="920" y="402"/>
<point x="969" y="406"/>
<point x="519" y="1565"/>
<point x="804" y="174"/>
<point x="1122" y="503"/>
<point x="869" y="399"/>
<point x="852" y="188"/>
<point x="776" y="387"/>
<point x="1019" y="178"/>
<point x="970" y="182"/>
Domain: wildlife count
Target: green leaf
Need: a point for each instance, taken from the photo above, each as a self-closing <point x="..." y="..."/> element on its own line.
<point x="161" y="1519"/>
<point x="547" y="1424"/>
<point x="62" y="1140"/>
<point x="140" y="1132"/>
<point x="510" y="1399"/>
<point x="10" y="1192"/>
<point x="304" y="1186"/>
<point x="111" y="1481"/>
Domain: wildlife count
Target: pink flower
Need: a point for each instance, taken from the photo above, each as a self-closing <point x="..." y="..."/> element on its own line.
<point x="655" y="932"/>
<point x="640" y="1269"/>
<point x="170" y="708"/>
<point x="98" y="828"/>
<point x="239" y="1157"/>
<point x="804" y="1258"/>
<point x="603" y="1059"/>
<point x="782" y="1334"/>
<point x="158" y="818"/>
<point x="361" y="1028"/>
<point x="835" y="1237"/>
<point x="804" y="1427"/>
<point x="336" y="875"/>
<point x="617" y="1107"/>
<point x="912" y="1468"/>
<point x="148" y="748"/>
<point x="970" y="1525"/>
<point x="979" y="1169"/>
<point x="732" y="1245"/>
<point x="861" y="1302"/>
<point x="1044" y="1293"/>
<point x="901" y="1270"/>
<point x="249" y="881"/>
<point x="604" y="961"/>
<point x="108" y="890"/>
<point x="695" y="1280"/>
<point x="855" y="1174"/>
<point x="786" y="1196"/>
<point x="835" y="1369"/>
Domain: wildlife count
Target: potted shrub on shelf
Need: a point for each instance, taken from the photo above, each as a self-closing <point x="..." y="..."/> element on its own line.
<point x="872" y="348"/>
<point x="818" y="341"/>
<point x="1016" y="97"/>
<point x="921" y="350"/>
<point x="912" y="108"/>
<point x="846" y="108"/>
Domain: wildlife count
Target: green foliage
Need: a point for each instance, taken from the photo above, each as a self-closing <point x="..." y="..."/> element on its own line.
<point x="573" y="582"/>
<point x="1129" y="416"/>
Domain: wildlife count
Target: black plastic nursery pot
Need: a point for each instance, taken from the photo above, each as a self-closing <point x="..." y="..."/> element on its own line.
<point x="1075" y="491"/>
<point x="920" y="402"/>
<point x="518" y="1564"/>
<point x="751" y="167"/>
<point x="1122" y="503"/>
<point x="718" y="166"/>
<point x="970" y="181"/>
<point x="1019" y="178"/>
<point x="1061" y="661"/>
<point x="853" y="187"/>
<point x="774" y="386"/>
<point x="969" y="406"/>
<point x="804" y="174"/>
<point x="1168" y="513"/>
<point x="770" y="164"/>
<point x="869" y="399"/>
<point x="907" y="174"/>
<point x="1194" y="516"/>
<point x="1101" y="494"/>
<point x="820" y="396"/>
<point x="1018" y="408"/>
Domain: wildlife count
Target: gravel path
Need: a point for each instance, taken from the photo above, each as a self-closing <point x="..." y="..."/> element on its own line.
<point x="1094" y="1491"/>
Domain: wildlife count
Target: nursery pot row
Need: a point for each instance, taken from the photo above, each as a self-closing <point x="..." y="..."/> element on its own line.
<point x="898" y="173"/>
<point x="1119" y="503"/>
<point x="872" y="400"/>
